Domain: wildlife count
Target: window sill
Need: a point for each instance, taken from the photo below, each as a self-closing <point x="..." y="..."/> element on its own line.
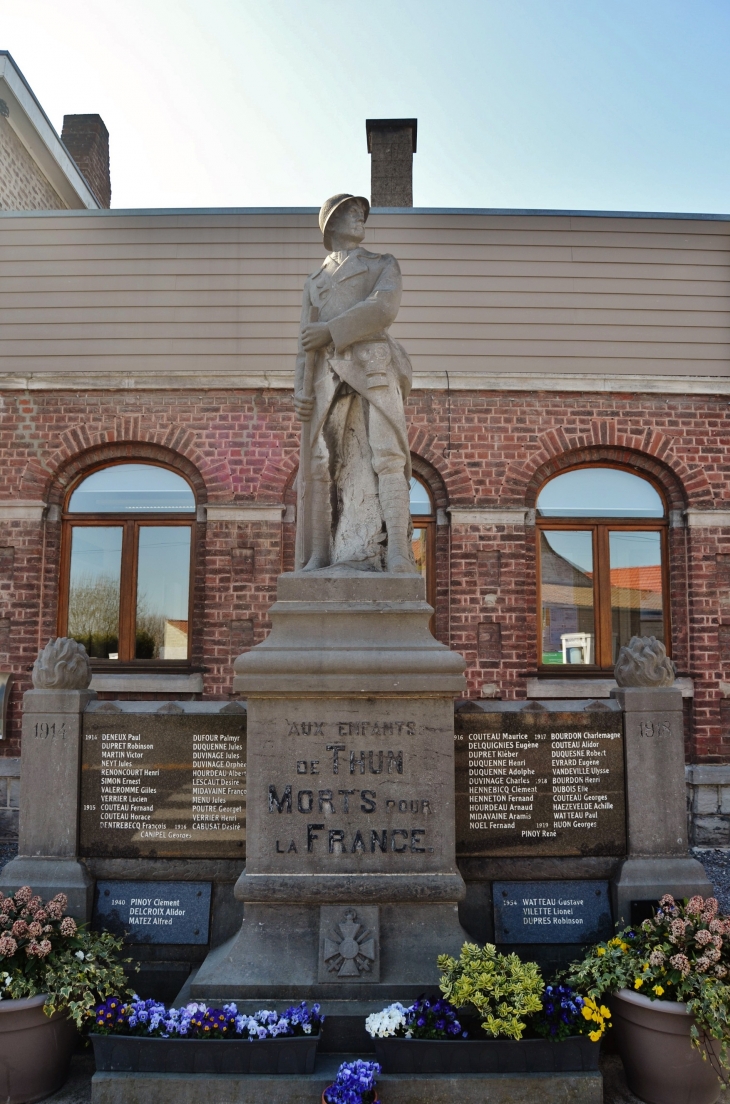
<point x="588" y="687"/>
<point x="147" y="682"/>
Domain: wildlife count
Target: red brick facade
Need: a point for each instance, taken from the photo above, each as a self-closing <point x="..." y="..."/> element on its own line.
<point x="475" y="449"/>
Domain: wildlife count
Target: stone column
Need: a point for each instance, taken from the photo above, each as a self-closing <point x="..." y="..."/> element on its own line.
<point x="51" y="766"/>
<point x="658" y="859"/>
<point x="351" y="886"/>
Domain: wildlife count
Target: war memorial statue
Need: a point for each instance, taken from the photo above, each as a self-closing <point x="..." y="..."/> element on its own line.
<point x="351" y="381"/>
<point x="350" y="758"/>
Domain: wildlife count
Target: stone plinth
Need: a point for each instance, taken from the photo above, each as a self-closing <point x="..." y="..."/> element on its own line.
<point x="252" y="1088"/>
<point x="49" y="815"/>
<point x="658" y="859"/>
<point x="351" y="885"/>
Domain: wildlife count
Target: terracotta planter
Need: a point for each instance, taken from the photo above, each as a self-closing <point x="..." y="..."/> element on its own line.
<point x="35" y="1050"/>
<point x="662" y="1066"/>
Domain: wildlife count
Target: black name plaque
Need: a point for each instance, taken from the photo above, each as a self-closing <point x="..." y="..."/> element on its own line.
<point x="163" y="785"/>
<point x="540" y="783"/>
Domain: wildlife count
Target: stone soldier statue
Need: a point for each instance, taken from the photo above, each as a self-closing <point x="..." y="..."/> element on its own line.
<point x="350" y="384"/>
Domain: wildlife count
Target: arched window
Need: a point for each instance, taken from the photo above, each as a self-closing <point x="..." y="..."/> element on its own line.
<point x="126" y="564"/>
<point x="602" y="566"/>
<point x="423" y="518"/>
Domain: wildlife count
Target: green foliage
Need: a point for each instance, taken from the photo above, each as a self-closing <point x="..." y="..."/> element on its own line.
<point x="43" y="951"/>
<point x="502" y="988"/>
<point x="681" y="954"/>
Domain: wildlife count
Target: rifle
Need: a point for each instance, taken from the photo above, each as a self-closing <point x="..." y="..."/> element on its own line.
<point x="304" y="520"/>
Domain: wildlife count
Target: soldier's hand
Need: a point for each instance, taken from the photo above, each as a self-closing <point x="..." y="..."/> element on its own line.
<point x="315" y="336"/>
<point x="303" y="407"/>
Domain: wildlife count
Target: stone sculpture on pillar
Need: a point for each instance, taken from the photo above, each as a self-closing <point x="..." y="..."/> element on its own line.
<point x="51" y="757"/>
<point x="351" y="381"/>
<point x="658" y="859"/>
<point x="351" y="887"/>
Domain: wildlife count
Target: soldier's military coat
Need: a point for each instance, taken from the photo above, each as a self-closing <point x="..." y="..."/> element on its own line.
<point x="358" y="298"/>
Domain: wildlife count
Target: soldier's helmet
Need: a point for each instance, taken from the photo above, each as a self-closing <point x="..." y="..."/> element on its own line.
<point x="330" y="206"/>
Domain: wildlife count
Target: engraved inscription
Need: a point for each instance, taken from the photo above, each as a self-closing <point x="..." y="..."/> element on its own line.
<point x="342" y="782"/>
<point x="163" y="785"/>
<point x="539" y="783"/>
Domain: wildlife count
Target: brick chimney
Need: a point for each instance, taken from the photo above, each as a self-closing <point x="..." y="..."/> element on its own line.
<point x="391" y="144"/>
<point x="87" y="140"/>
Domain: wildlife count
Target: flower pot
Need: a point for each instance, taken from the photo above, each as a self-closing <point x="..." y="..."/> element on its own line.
<point x="661" y="1065"/>
<point x="35" y="1050"/>
<point x="139" y="1054"/>
<point x="438" y="1056"/>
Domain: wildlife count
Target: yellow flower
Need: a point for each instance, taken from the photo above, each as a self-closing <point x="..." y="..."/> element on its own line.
<point x="605" y="1012"/>
<point x="638" y="982"/>
<point x="601" y="951"/>
<point x="594" y="1035"/>
<point x="658" y="989"/>
<point x="586" y="1012"/>
<point x="645" y="967"/>
<point x="624" y="947"/>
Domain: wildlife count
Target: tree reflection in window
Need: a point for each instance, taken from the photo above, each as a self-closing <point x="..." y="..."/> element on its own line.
<point x="126" y="561"/>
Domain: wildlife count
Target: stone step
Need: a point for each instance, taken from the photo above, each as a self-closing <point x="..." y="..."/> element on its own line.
<point x="469" y="1088"/>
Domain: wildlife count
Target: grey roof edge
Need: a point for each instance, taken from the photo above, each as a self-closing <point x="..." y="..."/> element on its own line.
<point x="173" y="212"/>
<point x="39" y="105"/>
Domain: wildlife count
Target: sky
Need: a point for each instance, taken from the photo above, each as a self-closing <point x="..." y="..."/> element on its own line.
<point x="538" y="104"/>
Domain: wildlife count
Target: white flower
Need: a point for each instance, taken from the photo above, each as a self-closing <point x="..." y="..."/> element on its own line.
<point x="381" y="1025"/>
<point x="307" y="1029"/>
<point x="80" y="955"/>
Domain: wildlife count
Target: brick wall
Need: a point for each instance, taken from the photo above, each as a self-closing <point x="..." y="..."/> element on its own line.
<point x="488" y="450"/>
<point x="23" y="187"/>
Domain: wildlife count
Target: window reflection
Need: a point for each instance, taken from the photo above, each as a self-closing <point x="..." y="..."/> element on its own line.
<point x="420" y="498"/>
<point x="163" y="575"/>
<point x="132" y="488"/>
<point x="93" y="598"/>
<point x="637" y="607"/>
<point x="599" y="492"/>
<point x="566" y="588"/>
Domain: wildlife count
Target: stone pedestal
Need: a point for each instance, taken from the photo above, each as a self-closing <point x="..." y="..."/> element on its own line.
<point x="658" y="859"/>
<point x="351" y="885"/>
<point x="49" y="814"/>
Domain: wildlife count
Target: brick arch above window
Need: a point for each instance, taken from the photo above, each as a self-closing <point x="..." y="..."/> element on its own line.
<point x="454" y="477"/>
<point x="651" y="454"/>
<point x="126" y="441"/>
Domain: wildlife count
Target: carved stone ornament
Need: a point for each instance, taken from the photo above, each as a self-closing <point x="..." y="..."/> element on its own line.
<point x="62" y="665"/>
<point x="350" y="944"/>
<point x="644" y="662"/>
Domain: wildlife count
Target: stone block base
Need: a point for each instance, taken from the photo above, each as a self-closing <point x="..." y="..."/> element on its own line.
<point x="277" y="955"/>
<point x="474" y="1088"/>
<point x="47" y="877"/>
<point x="649" y="879"/>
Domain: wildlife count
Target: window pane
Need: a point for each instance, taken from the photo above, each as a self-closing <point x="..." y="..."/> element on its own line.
<point x="93" y="600"/>
<point x="420" y="499"/>
<point x="420" y="545"/>
<point x="599" y="492"/>
<point x="163" y="584"/>
<point x="566" y="588"/>
<point x="132" y="488"/>
<point x="636" y="587"/>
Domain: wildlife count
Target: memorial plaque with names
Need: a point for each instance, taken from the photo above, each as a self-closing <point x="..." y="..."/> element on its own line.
<point x="154" y="912"/>
<point x="163" y="786"/>
<point x="540" y="783"/>
<point x="551" y="912"/>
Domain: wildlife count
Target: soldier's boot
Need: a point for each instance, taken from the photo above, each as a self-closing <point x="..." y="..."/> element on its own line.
<point x="319" y="529"/>
<point x="396" y="507"/>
